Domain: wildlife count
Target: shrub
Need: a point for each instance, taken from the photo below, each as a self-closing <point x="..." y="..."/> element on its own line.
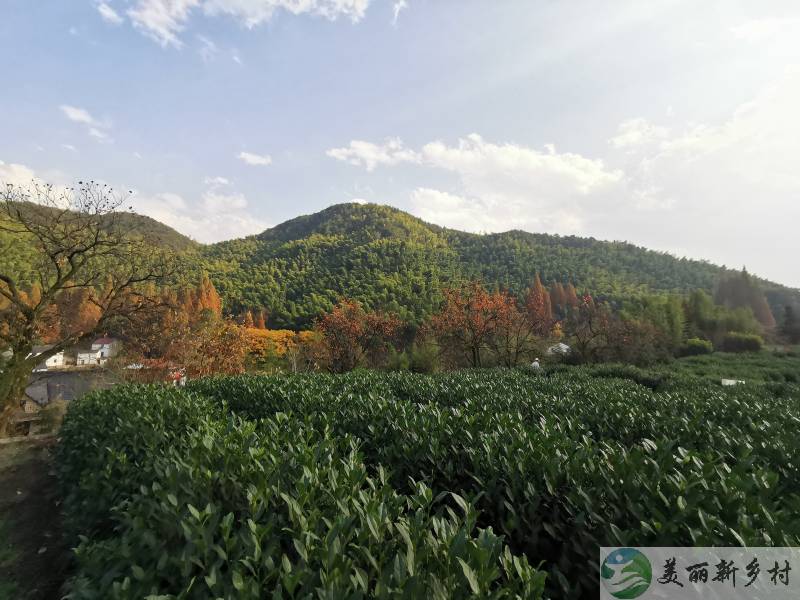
<point x="213" y="507"/>
<point x="556" y="465"/>
<point x="742" y="342"/>
<point x="696" y="347"/>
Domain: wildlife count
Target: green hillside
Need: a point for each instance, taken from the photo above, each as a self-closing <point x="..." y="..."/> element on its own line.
<point x="391" y="260"/>
<point x="19" y="259"/>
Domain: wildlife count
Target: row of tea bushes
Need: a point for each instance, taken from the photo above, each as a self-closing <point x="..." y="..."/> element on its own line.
<point x="172" y="499"/>
<point x="562" y="465"/>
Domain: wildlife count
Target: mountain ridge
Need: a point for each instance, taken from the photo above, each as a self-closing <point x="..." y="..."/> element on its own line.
<point x="390" y="259"/>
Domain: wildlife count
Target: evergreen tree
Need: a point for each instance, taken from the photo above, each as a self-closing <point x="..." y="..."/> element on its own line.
<point x="791" y="325"/>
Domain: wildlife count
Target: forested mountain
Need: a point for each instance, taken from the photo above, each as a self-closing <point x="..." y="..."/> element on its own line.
<point x="391" y="260"/>
<point x="18" y="258"/>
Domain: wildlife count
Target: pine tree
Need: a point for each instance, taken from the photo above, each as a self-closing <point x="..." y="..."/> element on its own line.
<point x="539" y="307"/>
<point x="570" y="295"/>
<point x="558" y="298"/>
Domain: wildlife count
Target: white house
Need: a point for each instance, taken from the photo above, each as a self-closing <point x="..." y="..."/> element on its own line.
<point x="102" y="349"/>
<point x="106" y="347"/>
<point x="89" y="358"/>
<point x="55" y="361"/>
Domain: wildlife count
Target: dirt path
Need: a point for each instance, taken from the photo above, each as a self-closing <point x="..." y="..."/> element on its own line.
<point x="33" y="559"/>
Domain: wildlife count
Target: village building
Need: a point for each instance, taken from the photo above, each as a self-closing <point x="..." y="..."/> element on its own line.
<point x="55" y="361"/>
<point x="106" y="347"/>
<point x="101" y="350"/>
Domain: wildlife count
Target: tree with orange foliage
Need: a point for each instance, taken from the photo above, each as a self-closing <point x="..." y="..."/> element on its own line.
<point x="267" y="347"/>
<point x="558" y="299"/>
<point x="207" y="297"/>
<point x="514" y="336"/>
<point x="211" y="346"/>
<point x="467" y="322"/>
<point x="570" y="295"/>
<point x="353" y="336"/>
<point x="540" y="311"/>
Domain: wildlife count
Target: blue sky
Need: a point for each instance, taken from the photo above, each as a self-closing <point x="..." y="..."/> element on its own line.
<point x="668" y="123"/>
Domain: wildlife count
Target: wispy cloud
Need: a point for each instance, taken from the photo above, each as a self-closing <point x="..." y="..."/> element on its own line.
<point x="94" y="127"/>
<point x="109" y="14"/>
<point x="207" y="48"/>
<point x="371" y="155"/>
<point x="165" y="20"/>
<point x="398" y="7"/>
<point x="256" y="160"/>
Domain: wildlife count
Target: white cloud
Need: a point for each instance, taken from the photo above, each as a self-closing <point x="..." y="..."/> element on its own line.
<point x="69" y="147"/>
<point x="16" y="175"/>
<point x="208" y="49"/>
<point x="725" y="191"/>
<point x="164" y="20"/>
<point x="635" y="132"/>
<point x="369" y="155"/>
<point x="95" y="128"/>
<point x="501" y="186"/>
<point x="216" y="202"/>
<point x="757" y="30"/>
<point x="109" y="14"/>
<point x="218" y="216"/>
<point x="216" y="181"/>
<point x="24" y="177"/>
<point x="521" y="170"/>
<point x="98" y="134"/>
<point x="256" y="160"/>
<point x="398" y="7"/>
<point x="79" y="115"/>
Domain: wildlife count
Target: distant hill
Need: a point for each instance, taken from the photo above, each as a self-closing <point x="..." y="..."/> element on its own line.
<point x="18" y="258"/>
<point x="391" y="260"/>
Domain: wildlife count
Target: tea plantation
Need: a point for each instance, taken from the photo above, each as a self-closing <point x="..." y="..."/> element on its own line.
<point x="492" y="484"/>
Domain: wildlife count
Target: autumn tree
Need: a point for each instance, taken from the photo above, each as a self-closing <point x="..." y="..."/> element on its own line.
<point x="514" y="336"/>
<point x="353" y="336"/>
<point x="466" y="323"/>
<point x="539" y="307"/>
<point x="84" y="246"/>
<point x="207" y="297"/>
<point x="211" y="346"/>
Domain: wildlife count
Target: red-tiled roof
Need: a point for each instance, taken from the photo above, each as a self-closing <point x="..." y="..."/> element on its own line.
<point x="104" y="340"/>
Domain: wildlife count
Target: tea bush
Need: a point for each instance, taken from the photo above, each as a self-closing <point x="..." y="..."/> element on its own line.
<point x="397" y="484"/>
<point x="178" y="501"/>
<point x="566" y="463"/>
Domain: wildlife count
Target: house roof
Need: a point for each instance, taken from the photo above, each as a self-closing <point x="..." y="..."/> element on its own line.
<point x="104" y="340"/>
<point x="37" y="350"/>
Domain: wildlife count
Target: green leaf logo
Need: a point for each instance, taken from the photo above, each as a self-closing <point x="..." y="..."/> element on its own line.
<point x="626" y="573"/>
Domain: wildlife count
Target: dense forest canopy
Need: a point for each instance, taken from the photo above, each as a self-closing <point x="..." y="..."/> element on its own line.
<point x="391" y="261"/>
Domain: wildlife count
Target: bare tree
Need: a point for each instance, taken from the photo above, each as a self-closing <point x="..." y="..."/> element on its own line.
<point x="84" y="242"/>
